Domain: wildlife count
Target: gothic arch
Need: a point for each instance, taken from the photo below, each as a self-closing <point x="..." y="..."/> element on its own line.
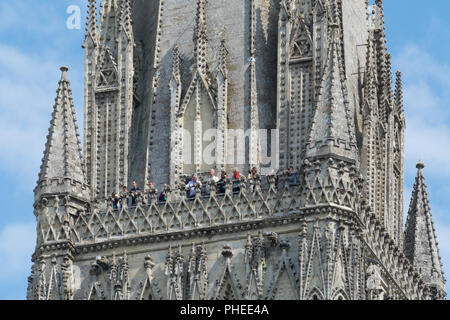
<point x="315" y="294"/>
<point x="227" y="289"/>
<point x="147" y="294"/>
<point x="340" y="295"/>
<point x="202" y="112"/>
<point x="284" y="286"/>
<point x="96" y="292"/>
<point x="149" y="291"/>
<point x="199" y="115"/>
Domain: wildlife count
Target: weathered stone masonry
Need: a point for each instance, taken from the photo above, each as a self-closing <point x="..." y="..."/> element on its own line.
<point x="318" y="71"/>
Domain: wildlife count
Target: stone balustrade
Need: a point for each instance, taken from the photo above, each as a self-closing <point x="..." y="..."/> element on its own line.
<point x="205" y="189"/>
<point x="180" y="213"/>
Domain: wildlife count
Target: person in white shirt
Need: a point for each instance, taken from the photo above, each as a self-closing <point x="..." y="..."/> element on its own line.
<point x="192" y="184"/>
<point x="212" y="177"/>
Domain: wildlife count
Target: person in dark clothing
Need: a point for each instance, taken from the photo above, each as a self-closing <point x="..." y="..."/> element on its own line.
<point x="163" y="195"/>
<point x="292" y="176"/>
<point x="151" y="190"/>
<point x="134" y="192"/>
<point x="277" y="179"/>
<point x="117" y="202"/>
<point x="221" y="183"/>
<point x="124" y="196"/>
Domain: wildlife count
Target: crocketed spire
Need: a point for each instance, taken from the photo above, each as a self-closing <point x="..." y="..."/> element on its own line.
<point x="223" y="55"/>
<point x="176" y="71"/>
<point x="378" y="16"/>
<point x="335" y="12"/>
<point x="110" y="20"/>
<point x="370" y="76"/>
<point x="201" y="37"/>
<point x="398" y="98"/>
<point x="383" y="61"/>
<point x="91" y="24"/>
<point x="62" y="155"/>
<point x="421" y="245"/>
<point x="332" y="131"/>
<point x="126" y="19"/>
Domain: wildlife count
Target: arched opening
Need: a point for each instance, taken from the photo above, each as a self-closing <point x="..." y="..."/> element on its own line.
<point x="316" y="294"/>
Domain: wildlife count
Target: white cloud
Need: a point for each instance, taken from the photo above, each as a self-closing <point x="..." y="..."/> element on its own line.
<point x="427" y="101"/>
<point x="25" y="108"/>
<point x="417" y="63"/>
<point x="429" y="143"/>
<point x="420" y="97"/>
<point x="29" y="84"/>
<point x="29" y="80"/>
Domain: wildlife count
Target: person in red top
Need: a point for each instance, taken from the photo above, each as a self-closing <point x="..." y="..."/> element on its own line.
<point x="236" y="180"/>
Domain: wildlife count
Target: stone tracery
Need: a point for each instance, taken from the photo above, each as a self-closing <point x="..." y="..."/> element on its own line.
<point x="335" y="234"/>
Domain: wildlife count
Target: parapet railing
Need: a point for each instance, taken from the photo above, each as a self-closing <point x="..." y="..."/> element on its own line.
<point x="206" y="189"/>
<point x="240" y="201"/>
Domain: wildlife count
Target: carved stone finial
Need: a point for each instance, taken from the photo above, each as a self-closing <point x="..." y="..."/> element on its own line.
<point x="64" y="70"/>
<point x="273" y="237"/>
<point x="148" y="263"/>
<point x="284" y="245"/>
<point x="249" y="240"/>
<point x="227" y="251"/>
<point x="420" y="165"/>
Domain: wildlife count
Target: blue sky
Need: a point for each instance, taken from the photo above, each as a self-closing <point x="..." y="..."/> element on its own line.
<point x="35" y="42"/>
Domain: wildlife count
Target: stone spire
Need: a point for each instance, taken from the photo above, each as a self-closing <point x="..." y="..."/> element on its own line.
<point x="176" y="70"/>
<point x="331" y="155"/>
<point x="126" y="20"/>
<point x="223" y="55"/>
<point x="335" y="12"/>
<point x="379" y="30"/>
<point x="383" y="60"/>
<point x="420" y="244"/>
<point x="389" y="85"/>
<point x="398" y="97"/>
<point x="91" y="24"/>
<point x="201" y="37"/>
<point x="254" y="160"/>
<point x="222" y="105"/>
<point x="378" y="16"/>
<point x="110" y="16"/>
<point x="175" y="121"/>
<point x="332" y="131"/>
<point x="62" y="156"/>
<point x="370" y="76"/>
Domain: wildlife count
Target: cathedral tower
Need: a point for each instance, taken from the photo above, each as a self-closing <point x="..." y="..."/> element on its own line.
<point x="109" y="96"/>
<point x="167" y="82"/>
